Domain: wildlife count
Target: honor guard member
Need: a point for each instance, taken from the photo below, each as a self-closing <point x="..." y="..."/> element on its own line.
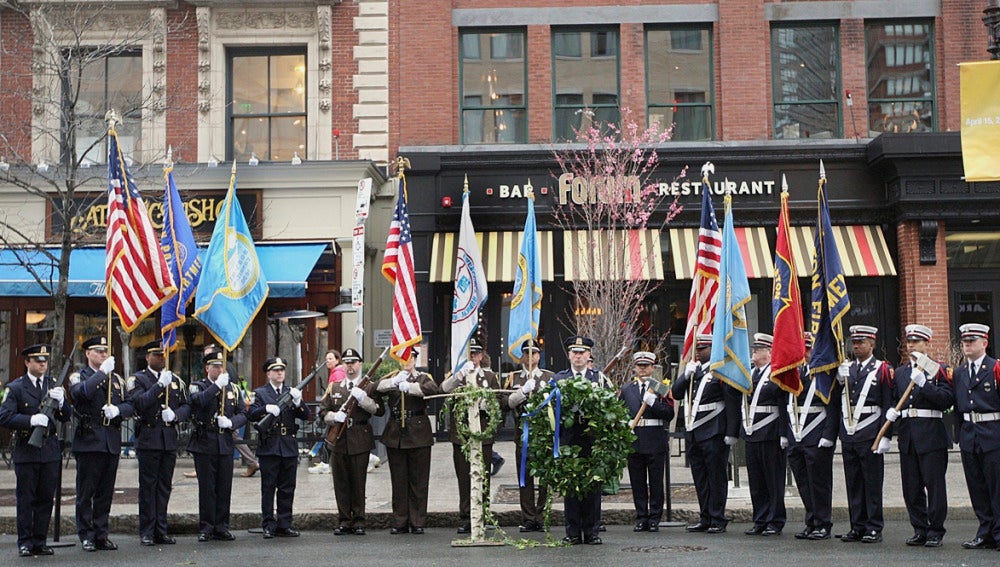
<point x="349" y="457"/>
<point x="277" y="448"/>
<point x="923" y="439"/>
<point x="408" y="439"/>
<point x="160" y="401"/>
<point x="471" y="373"/>
<point x="812" y="435"/>
<point x="100" y="405"/>
<point x="865" y="395"/>
<point x="765" y="423"/>
<point x="977" y="405"/>
<point x="525" y="382"/>
<point x="583" y="514"/>
<point x="217" y="410"/>
<point x="34" y="401"/>
<point x="711" y="427"/>
<point x="648" y="459"/>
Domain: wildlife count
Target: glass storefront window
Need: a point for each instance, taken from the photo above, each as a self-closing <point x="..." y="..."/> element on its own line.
<point x="805" y="81"/>
<point x="493" y="78"/>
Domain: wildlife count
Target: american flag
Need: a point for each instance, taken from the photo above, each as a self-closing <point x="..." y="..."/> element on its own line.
<point x="705" y="285"/>
<point x="138" y="280"/>
<point x="397" y="267"/>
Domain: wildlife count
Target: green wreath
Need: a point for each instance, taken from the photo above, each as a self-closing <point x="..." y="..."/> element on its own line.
<point x="464" y="397"/>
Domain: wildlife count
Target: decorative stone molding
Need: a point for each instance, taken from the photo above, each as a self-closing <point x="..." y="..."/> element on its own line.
<point x="324" y="25"/>
<point x="928" y="242"/>
<point x="204" y="17"/>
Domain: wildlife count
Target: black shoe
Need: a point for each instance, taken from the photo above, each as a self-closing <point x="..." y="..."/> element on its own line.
<point x="396" y="531"/>
<point x="756" y="530"/>
<point x="497" y="465"/>
<point x="286" y="532"/>
<point x="269" y="533"/>
<point x="917" y="539"/>
<point x="769" y="531"/>
<point x="978" y="543"/>
<point x="43" y="550"/>
<point x="596" y="540"/>
<point x="146" y="541"/>
<point x="24" y="551"/>
<point x="933" y="541"/>
<point x="526" y="527"/>
<point x="804" y="534"/>
<point x="223" y="536"/>
<point x="342" y="530"/>
<point x="872" y="537"/>
<point x="641" y="527"/>
<point x="88" y="545"/>
<point x="360" y="530"/>
<point x="699" y="527"/>
<point x="850" y="537"/>
<point x="204" y="536"/>
<point x="822" y="533"/>
<point x="106" y="545"/>
<point x="417" y="531"/>
<point x="716" y="530"/>
<point x="572" y="540"/>
<point x="464" y="529"/>
<point x="164" y="540"/>
<point x="654" y="526"/>
<point x="602" y="528"/>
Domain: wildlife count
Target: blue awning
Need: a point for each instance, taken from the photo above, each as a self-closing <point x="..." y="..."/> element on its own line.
<point x="286" y="267"/>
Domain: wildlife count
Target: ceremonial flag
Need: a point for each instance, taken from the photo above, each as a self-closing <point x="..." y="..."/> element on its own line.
<point x="181" y="254"/>
<point x="830" y="301"/>
<point x="730" y="359"/>
<point x="138" y="280"/>
<point x="526" y="303"/>
<point x="470" y="288"/>
<point x="789" y="349"/>
<point x="233" y="287"/>
<point x="397" y="267"/>
<point x="705" y="285"/>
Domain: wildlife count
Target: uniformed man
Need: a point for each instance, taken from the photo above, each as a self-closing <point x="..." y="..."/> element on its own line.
<point x="471" y="373"/>
<point x="408" y="439"/>
<point x="765" y="423"/>
<point x="525" y="382"/>
<point x="865" y="394"/>
<point x="711" y="427"/>
<point x="583" y="514"/>
<point x="648" y="459"/>
<point x="812" y="435"/>
<point x="36" y="469"/>
<point x="217" y="410"/>
<point x="100" y="405"/>
<point x="977" y="402"/>
<point x="160" y="401"/>
<point x="349" y="457"/>
<point x="278" y="449"/>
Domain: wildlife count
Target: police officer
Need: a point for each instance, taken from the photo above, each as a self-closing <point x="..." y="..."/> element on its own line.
<point x="408" y="439"/>
<point x="97" y="443"/>
<point x="648" y="459"/>
<point x="711" y="424"/>
<point x="471" y="373"/>
<point x="977" y="404"/>
<point x="278" y="449"/>
<point x="865" y="393"/>
<point x="217" y="410"/>
<point x="160" y="401"/>
<point x="36" y="469"/>
<point x="349" y="457"/>
<point x="525" y="382"/>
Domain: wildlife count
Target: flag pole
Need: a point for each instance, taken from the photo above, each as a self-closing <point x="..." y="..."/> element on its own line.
<point x="795" y="399"/>
<point x="112" y="118"/>
<point x="168" y="166"/>
<point x="401" y="164"/>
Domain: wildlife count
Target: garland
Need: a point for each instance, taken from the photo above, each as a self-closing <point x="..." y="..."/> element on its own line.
<point x="465" y="397"/>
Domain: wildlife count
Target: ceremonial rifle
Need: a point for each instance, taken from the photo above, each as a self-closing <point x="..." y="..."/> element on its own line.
<point x="49" y="406"/>
<point x="337" y="429"/>
<point x="285" y="401"/>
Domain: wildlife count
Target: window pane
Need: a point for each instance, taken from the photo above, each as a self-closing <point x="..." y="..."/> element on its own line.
<point x="900" y="117"/>
<point x="805" y="121"/>
<point x="125" y="83"/>
<point x="690" y="40"/>
<point x="691" y="123"/>
<point x="506" y="45"/>
<point x="566" y="44"/>
<point x="92" y="98"/>
<point x="250" y="136"/>
<point x="489" y="126"/>
<point x="493" y="88"/>
<point x="249" y="85"/>
<point x="900" y="60"/>
<point x="590" y="76"/>
<point x="288" y="83"/>
<point x="674" y="74"/>
<point x="288" y="135"/>
<point x="470" y="46"/>
<point x="805" y="64"/>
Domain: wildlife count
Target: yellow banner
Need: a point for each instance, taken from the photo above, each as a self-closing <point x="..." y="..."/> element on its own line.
<point x="981" y="120"/>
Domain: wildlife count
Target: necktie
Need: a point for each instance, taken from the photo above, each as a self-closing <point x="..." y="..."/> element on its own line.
<point x="38" y="385"/>
<point x="972" y="369"/>
<point x="756" y="374"/>
<point x="350" y="385"/>
<point x="579" y="376"/>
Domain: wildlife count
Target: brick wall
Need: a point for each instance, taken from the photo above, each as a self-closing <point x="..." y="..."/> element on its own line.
<point x="923" y="290"/>
<point x="182" y="84"/>
<point x="15" y="87"/>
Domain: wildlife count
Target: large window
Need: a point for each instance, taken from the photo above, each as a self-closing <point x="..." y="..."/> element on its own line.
<point x="94" y="86"/>
<point x="267" y="110"/>
<point x="679" y="81"/>
<point x="900" y="58"/>
<point x="494" y="105"/>
<point x="585" y="80"/>
<point x="805" y="77"/>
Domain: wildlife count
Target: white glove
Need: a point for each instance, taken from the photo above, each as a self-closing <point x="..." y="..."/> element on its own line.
<point x="404" y="387"/>
<point x="730" y="440"/>
<point x="165" y="378"/>
<point x="891" y="414"/>
<point x="339" y="416"/>
<point x="359" y="394"/>
<point x="330" y="418"/>
<point x="400" y="377"/>
<point x="108" y="366"/>
<point x="467" y="369"/>
<point x="649" y="398"/>
<point x="296" y="395"/>
<point x="272" y="409"/>
<point x="825" y="443"/>
<point x="691" y="367"/>
<point x="58" y="395"/>
<point x="222" y="381"/>
<point x="529" y="386"/>
<point x="167" y="415"/>
<point x="39" y="420"/>
<point x="918" y="377"/>
<point x="224" y="422"/>
<point x="111" y="411"/>
<point x="883" y="447"/>
<point x="843" y="371"/>
<point x="783" y="442"/>
<point x="915" y="356"/>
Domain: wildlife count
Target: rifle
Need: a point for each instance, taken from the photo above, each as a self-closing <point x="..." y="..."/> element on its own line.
<point x="285" y="401"/>
<point x="49" y="406"/>
<point x="337" y="429"/>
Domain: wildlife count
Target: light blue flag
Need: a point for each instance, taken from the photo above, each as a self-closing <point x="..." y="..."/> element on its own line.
<point x="181" y="253"/>
<point x="470" y="288"/>
<point x="233" y="287"/>
<point x="730" y="360"/>
<point x="526" y="303"/>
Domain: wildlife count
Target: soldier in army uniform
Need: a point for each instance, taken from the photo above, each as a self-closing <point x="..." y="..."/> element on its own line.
<point x="36" y="469"/>
<point x="100" y="405"/>
<point x="408" y="439"/>
<point x="160" y="401"/>
<point x="217" y="410"/>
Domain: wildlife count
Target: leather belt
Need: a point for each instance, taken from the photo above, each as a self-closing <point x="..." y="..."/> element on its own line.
<point x="650" y="423"/>
<point x="766" y="409"/>
<point x="287" y="431"/>
<point x="916" y="412"/>
<point x="976" y="417"/>
<point x="870" y="409"/>
<point x="709" y="407"/>
<point x="352" y="422"/>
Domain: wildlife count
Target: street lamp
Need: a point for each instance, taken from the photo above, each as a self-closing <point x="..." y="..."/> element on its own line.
<point x="991" y="17"/>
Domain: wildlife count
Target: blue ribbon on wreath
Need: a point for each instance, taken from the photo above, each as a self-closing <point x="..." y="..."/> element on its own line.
<point x="556" y="394"/>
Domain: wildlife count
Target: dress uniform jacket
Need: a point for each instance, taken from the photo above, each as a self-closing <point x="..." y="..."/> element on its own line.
<point x="648" y="460"/>
<point x="149" y="399"/>
<point x="812" y="465"/>
<point x="879" y="399"/>
<point x="914" y="433"/>
<point x="89" y="392"/>
<point x="651" y="439"/>
<point x="279" y="440"/>
<point x="358" y="437"/>
<point x="826" y="426"/>
<point x="727" y="422"/>
<point x="417" y="432"/>
<point x="977" y="403"/>
<point x="204" y="399"/>
<point x="765" y="421"/>
<point x="484" y="379"/>
<point x="532" y="505"/>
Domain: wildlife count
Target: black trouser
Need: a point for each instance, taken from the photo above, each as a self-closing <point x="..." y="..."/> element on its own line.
<point x="156" y="473"/>
<point x="95" y="485"/>
<point x="277" y="482"/>
<point x="410" y="472"/>
<point x="36" y="488"/>
<point x="583" y="515"/>
<point x="532" y="504"/>
<point x="462" y="468"/>
<point x="982" y="475"/>
<point x="215" y="490"/>
<point x="864" y="473"/>
<point x="645" y="471"/>
<point x="350" y="476"/>
<point x="709" y="461"/>
<point x="925" y="490"/>
<point x="812" y="468"/>
<point x="766" y="477"/>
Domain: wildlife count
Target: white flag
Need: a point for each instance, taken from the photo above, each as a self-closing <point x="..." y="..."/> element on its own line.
<point x="470" y="289"/>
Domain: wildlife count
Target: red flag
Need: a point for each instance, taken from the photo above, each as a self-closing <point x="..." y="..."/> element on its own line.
<point x="705" y="284"/>
<point x="397" y="267"/>
<point x="789" y="350"/>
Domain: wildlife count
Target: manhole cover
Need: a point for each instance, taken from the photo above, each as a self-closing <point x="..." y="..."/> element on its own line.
<point x="663" y="548"/>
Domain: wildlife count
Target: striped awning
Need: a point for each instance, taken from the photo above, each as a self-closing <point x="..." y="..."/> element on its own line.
<point x="612" y="254"/>
<point x="499" y="252"/>
<point x="756" y="251"/>
<point x="863" y="251"/>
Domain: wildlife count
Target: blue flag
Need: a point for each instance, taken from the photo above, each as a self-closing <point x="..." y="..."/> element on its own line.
<point x="730" y="359"/>
<point x="526" y="303"/>
<point x="233" y="287"/>
<point x="181" y="253"/>
<point x="830" y="302"/>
